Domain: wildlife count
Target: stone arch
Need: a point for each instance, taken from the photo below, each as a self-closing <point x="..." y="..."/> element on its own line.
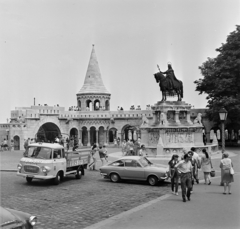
<point x="93" y="139"/>
<point x="48" y="132"/>
<point x="96" y="104"/>
<point x="107" y="105"/>
<point x="101" y="135"/>
<point x="79" y="103"/>
<point x="46" y="119"/>
<point x="16" y="140"/>
<point x="73" y="132"/>
<point x="84" y="136"/>
<point x="89" y="104"/>
<point x="129" y="132"/>
<point x="112" y="133"/>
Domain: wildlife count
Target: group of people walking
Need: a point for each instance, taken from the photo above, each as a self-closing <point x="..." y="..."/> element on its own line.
<point x="131" y="148"/>
<point x="102" y="151"/>
<point x="186" y="170"/>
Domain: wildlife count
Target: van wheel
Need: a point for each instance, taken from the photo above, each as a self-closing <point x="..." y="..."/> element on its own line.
<point x="152" y="180"/>
<point x="78" y="174"/>
<point x="57" y="179"/>
<point x="29" y="179"/>
<point x="114" y="178"/>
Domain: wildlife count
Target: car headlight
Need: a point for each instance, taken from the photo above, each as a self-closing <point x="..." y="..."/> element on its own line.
<point x="32" y="220"/>
<point x="46" y="169"/>
<point x="19" y="167"/>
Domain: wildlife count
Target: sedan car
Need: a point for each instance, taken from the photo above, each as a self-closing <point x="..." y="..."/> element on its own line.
<point x="134" y="168"/>
<point x="13" y="219"/>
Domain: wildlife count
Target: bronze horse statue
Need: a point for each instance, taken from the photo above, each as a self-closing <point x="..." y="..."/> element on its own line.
<point x="176" y="89"/>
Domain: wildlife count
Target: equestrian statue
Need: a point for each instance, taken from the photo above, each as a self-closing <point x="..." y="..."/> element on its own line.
<point x="169" y="85"/>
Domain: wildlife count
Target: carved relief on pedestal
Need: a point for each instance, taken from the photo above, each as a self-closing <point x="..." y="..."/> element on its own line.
<point x="184" y="137"/>
<point x="153" y="137"/>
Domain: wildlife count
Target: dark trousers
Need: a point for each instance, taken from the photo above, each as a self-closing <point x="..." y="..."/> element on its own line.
<point x="186" y="184"/>
<point x="195" y="172"/>
<point x="174" y="180"/>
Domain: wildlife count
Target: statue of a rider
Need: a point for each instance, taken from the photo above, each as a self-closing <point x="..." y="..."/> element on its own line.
<point x="170" y="78"/>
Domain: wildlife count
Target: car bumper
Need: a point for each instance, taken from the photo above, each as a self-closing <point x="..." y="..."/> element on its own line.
<point x="105" y="175"/>
<point x="40" y="177"/>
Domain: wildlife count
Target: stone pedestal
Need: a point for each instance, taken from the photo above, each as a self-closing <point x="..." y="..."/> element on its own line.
<point x="171" y="129"/>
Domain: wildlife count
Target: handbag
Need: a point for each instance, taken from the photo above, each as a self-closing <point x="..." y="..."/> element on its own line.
<point x="231" y="171"/>
<point x="212" y="173"/>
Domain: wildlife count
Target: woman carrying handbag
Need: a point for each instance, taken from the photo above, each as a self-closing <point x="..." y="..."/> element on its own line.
<point x="207" y="167"/>
<point x="227" y="168"/>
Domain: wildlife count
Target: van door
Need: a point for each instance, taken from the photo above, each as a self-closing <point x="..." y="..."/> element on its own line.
<point x="59" y="161"/>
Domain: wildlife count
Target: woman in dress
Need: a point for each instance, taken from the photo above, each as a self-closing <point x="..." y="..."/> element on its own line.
<point x="174" y="173"/>
<point x="206" y="165"/>
<point x="227" y="178"/>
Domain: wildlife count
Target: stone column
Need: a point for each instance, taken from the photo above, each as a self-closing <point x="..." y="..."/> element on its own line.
<point x="176" y="117"/>
<point x="155" y="117"/>
<point x="188" y="118"/>
<point x="88" y="144"/>
<point x="97" y="137"/>
<point x="106" y="137"/>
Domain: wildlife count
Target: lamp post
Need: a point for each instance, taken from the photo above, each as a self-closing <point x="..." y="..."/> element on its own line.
<point x="223" y="116"/>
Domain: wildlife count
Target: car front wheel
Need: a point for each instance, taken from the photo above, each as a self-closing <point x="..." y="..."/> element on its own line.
<point x="57" y="179"/>
<point x="114" y="177"/>
<point x="78" y="174"/>
<point x="152" y="180"/>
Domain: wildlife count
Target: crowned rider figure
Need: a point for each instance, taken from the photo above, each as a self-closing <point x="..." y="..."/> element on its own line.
<point x="170" y="78"/>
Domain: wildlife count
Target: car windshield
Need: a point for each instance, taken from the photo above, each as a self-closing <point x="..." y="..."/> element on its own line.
<point x="38" y="152"/>
<point x="145" y="162"/>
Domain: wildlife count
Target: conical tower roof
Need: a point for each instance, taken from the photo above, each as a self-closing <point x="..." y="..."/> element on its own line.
<point x="93" y="83"/>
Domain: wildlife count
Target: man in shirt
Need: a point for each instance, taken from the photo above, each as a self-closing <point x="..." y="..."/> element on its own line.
<point x="196" y="160"/>
<point x="184" y="168"/>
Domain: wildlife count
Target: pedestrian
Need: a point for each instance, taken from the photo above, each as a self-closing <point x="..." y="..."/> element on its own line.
<point x="118" y="142"/>
<point x="174" y="173"/>
<point x="227" y="178"/>
<point x="184" y="167"/>
<point x="94" y="150"/>
<point x="131" y="145"/>
<point x="71" y="143"/>
<point x="101" y="154"/>
<point x="142" y="151"/>
<point x="206" y="164"/>
<point x="196" y="164"/>
<point x="124" y="147"/>
<point x="26" y="143"/>
<point x="115" y="142"/>
<point x="5" y="145"/>
<point x="105" y="153"/>
<point x="67" y="143"/>
<point x="12" y="145"/>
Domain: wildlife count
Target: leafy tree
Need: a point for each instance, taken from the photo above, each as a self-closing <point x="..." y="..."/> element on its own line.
<point x="221" y="81"/>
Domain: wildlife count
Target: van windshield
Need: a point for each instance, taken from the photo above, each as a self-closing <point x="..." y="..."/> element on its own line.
<point x="38" y="152"/>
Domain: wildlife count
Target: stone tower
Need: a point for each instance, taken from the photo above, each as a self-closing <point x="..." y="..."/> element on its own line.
<point x="93" y="95"/>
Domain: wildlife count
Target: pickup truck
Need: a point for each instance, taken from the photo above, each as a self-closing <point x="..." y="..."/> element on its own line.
<point x="46" y="161"/>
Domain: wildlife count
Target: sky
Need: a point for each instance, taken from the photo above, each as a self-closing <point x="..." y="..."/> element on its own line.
<point x="45" y="46"/>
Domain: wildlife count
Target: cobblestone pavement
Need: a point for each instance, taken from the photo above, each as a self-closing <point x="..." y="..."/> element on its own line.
<point x="75" y="203"/>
